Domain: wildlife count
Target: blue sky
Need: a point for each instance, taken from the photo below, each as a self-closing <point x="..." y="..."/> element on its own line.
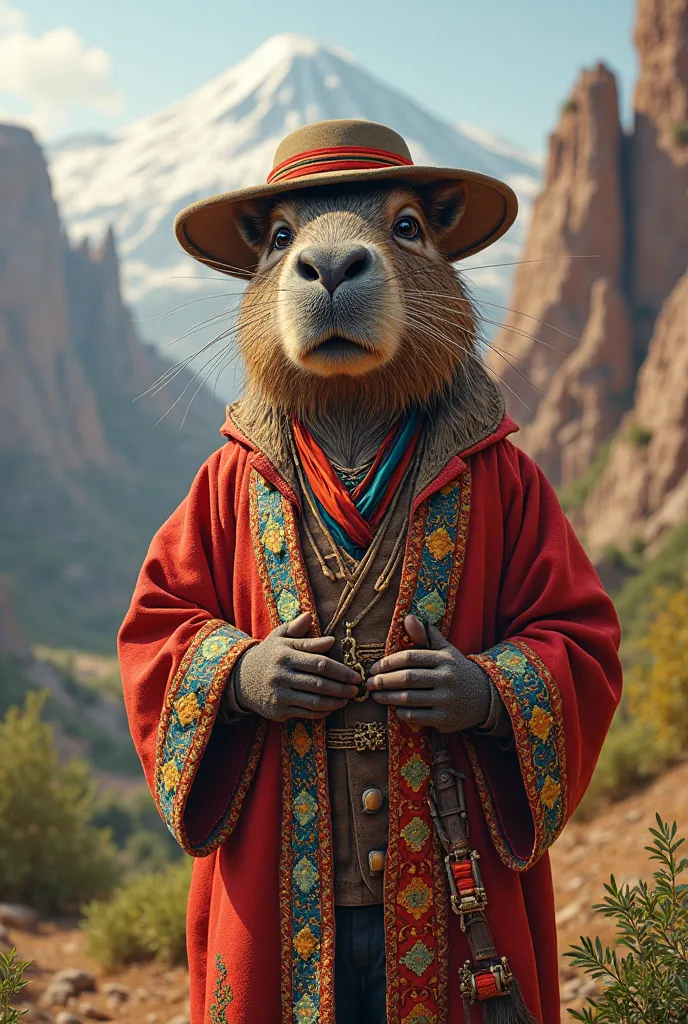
<point x="505" y="65"/>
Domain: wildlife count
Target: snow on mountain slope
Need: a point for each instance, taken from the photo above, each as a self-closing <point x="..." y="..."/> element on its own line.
<point x="223" y="136"/>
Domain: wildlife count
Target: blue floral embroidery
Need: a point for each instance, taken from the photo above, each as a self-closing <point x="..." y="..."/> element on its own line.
<point x="208" y="666"/>
<point x="430" y="599"/>
<point x="275" y="551"/>
<point x="302" y="807"/>
<point x="533" y="702"/>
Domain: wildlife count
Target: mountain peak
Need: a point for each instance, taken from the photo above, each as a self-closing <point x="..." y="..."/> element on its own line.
<point x="224" y="135"/>
<point x="288" y="45"/>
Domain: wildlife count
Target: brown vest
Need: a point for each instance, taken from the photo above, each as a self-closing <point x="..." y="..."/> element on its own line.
<point x="356" y="832"/>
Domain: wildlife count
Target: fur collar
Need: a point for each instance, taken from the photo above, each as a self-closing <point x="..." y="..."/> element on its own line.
<point x="468" y="413"/>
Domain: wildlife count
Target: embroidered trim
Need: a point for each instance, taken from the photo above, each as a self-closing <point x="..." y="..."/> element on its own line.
<point x="415" y="901"/>
<point x="306" y="885"/>
<point x="222" y="996"/>
<point x="187" y="720"/>
<point x="533" y="701"/>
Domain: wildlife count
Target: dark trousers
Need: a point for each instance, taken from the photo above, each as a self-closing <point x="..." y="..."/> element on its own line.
<point x="360" y="982"/>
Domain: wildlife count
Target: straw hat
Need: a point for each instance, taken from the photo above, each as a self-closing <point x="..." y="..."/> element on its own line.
<point x="338" y="152"/>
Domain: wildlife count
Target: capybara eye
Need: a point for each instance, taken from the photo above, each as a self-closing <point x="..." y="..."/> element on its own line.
<point x="283" y="238"/>
<point x="406" y="227"/>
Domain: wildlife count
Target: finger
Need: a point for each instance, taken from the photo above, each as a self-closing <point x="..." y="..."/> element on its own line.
<point x="437" y="641"/>
<point x="315" y="644"/>
<point x="416" y="630"/>
<point x="418" y="716"/>
<point x="405" y="659"/>
<point x="402" y="698"/>
<point x="327" y="667"/>
<point x="296" y="627"/>
<point x="308" y="683"/>
<point x="314" y="701"/>
<point x="407" y="678"/>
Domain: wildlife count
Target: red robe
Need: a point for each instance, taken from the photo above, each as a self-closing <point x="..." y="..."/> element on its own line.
<point x="492" y="560"/>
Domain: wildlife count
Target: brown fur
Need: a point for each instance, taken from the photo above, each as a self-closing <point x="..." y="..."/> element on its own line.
<point x="411" y="345"/>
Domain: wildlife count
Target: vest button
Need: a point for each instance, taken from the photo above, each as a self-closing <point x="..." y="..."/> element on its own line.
<point x="372" y="800"/>
<point x="376" y="861"/>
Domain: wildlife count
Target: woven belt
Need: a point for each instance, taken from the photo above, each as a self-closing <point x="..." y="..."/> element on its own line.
<point x="362" y="736"/>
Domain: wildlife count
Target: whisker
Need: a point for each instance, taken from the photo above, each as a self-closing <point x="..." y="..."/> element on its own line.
<point x="483" y="302"/>
<point x="484" y="341"/>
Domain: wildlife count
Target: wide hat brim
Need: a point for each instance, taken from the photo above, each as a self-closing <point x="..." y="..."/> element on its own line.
<point x="208" y="229"/>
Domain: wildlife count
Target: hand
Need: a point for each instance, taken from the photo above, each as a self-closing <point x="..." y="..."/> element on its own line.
<point x="433" y="687"/>
<point x="288" y="676"/>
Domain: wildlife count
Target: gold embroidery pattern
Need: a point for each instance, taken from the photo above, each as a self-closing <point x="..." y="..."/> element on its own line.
<point x="533" y="701"/>
<point x="186" y="723"/>
<point x="306" y="888"/>
<point x="415" y="901"/>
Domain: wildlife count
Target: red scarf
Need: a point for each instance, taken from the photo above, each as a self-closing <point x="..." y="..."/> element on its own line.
<point x="333" y="496"/>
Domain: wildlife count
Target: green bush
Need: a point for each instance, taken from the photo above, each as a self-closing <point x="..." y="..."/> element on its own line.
<point x="659" y="687"/>
<point x="680" y="133"/>
<point x="51" y="856"/>
<point x="144" y="920"/>
<point x="638" y="435"/>
<point x="575" y="494"/>
<point x="634" y="602"/>
<point x="11" y="983"/>
<point x="569" y="106"/>
<point x="650" y="984"/>
<point x="137" y="830"/>
<point x="631" y="757"/>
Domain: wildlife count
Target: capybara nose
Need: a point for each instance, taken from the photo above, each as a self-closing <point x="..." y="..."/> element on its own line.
<point x="331" y="267"/>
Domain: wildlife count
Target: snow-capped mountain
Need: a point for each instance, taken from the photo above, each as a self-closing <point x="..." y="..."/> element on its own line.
<point x="223" y="136"/>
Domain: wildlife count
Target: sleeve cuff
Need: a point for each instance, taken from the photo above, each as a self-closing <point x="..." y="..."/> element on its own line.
<point x="191" y="707"/>
<point x="532" y="700"/>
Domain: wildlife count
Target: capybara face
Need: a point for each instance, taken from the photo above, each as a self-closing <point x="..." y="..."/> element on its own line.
<point x="353" y="296"/>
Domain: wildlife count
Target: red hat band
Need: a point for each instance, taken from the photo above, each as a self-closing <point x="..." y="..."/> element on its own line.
<point x="335" y="158"/>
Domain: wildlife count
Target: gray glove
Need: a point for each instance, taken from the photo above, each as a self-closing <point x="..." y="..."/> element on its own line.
<point x="288" y="676"/>
<point x="435" y="686"/>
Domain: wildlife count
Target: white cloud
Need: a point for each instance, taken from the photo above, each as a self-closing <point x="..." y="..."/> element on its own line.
<point x="11" y="19"/>
<point x="53" y="72"/>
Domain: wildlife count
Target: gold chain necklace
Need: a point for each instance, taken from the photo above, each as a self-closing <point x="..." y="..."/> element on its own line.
<point x="355" y="573"/>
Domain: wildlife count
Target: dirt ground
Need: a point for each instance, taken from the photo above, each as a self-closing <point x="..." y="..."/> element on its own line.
<point x="583" y="859"/>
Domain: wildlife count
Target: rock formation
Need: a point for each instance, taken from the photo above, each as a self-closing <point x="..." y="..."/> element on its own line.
<point x="659" y="201"/>
<point x="588" y="393"/>
<point x="576" y="236"/>
<point x="626" y="199"/>
<point x="86" y="475"/>
<point x="45" y="400"/>
<point x="643" y="490"/>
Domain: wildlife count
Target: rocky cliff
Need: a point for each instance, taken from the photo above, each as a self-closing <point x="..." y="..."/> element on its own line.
<point x="609" y="242"/>
<point x="87" y="476"/>
<point x="643" y="490"/>
<point x="576" y="236"/>
<point x="659" y="181"/>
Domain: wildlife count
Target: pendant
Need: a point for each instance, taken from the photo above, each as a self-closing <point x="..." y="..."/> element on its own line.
<point x="349" y="650"/>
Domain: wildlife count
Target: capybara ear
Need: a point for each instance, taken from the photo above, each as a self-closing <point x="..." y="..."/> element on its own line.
<point x="254" y="223"/>
<point x="445" y="204"/>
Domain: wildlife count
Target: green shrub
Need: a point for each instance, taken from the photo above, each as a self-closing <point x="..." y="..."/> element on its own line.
<point x="144" y="920"/>
<point x="631" y="757"/>
<point x="616" y="558"/>
<point x="638" y="435"/>
<point x="575" y="494"/>
<point x="659" y="688"/>
<point x="650" y="984"/>
<point x="569" y="106"/>
<point x="667" y="569"/>
<point x="137" y="830"/>
<point x="51" y="856"/>
<point x="11" y="983"/>
<point x="679" y="133"/>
